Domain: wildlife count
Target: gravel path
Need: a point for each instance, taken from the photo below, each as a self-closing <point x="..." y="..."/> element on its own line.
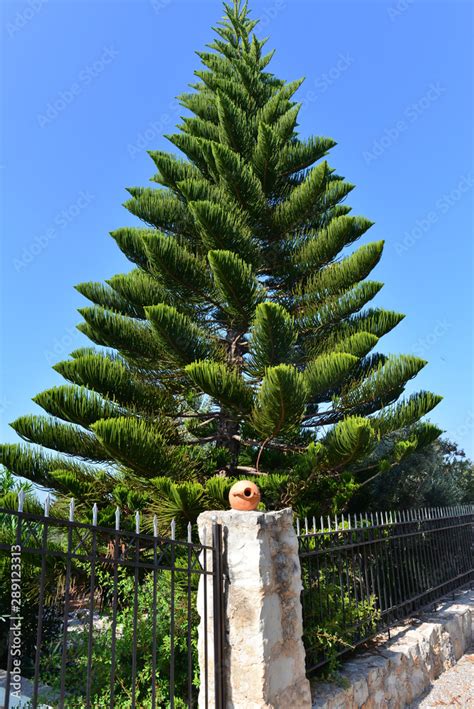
<point x="454" y="688"/>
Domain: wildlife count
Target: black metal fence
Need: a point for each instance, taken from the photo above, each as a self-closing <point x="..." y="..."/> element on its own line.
<point x="92" y="616"/>
<point x="364" y="573"/>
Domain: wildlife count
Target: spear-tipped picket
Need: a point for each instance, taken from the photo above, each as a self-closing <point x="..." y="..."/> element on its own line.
<point x="173" y="529"/>
<point x="190" y="533"/>
<point x="117" y="519"/>
<point x="72" y="507"/>
<point x="47" y="505"/>
<point x="306" y="528"/>
<point x="137" y="522"/>
<point x="21" y="499"/>
<point x="94" y="514"/>
<point x="155" y="526"/>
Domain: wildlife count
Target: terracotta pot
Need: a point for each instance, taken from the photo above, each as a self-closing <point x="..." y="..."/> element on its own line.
<point x="244" y="496"/>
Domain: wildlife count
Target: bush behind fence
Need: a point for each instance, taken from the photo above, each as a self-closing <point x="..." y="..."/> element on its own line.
<point x="364" y="573"/>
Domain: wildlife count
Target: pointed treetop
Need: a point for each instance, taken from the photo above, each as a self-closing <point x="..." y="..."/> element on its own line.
<point x="236" y="26"/>
<point x="241" y="336"/>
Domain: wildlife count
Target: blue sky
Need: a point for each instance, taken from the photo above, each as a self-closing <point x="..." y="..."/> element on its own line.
<point x="88" y="87"/>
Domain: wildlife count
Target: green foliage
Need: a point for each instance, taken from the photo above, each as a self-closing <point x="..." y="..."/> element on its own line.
<point x="301" y="202"/>
<point x="180" y="271"/>
<point x="242" y="337"/>
<point x="76" y="405"/>
<point x="347" y="622"/>
<point x="183" y="502"/>
<point x="340" y="232"/>
<point x="272" y="338"/>
<point x="237" y="288"/>
<point x="181" y="340"/>
<point x="76" y="668"/>
<point x="143" y="446"/>
<point x="60" y="437"/>
<point x="406" y="413"/>
<point x="436" y="474"/>
<point x="222" y="382"/>
<point x="326" y="373"/>
<point x="335" y="619"/>
<point x="279" y="406"/>
<point x="350" y="440"/>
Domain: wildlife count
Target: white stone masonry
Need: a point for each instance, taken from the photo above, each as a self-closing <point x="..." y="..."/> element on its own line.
<point x="264" y="653"/>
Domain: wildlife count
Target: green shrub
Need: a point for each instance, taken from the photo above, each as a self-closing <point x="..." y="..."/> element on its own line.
<point x="76" y="668"/>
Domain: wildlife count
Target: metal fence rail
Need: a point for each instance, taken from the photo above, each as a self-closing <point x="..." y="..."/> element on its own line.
<point x="99" y="616"/>
<point x="363" y="573"/>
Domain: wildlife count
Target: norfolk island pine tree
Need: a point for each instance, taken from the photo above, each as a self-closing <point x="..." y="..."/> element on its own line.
<point x="240" y="344"/>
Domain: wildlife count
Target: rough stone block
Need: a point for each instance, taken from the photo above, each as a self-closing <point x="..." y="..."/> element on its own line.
<point x="264" y="653"/>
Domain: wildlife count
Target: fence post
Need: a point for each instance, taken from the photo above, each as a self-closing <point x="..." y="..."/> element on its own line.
<point x="263" y="653"/>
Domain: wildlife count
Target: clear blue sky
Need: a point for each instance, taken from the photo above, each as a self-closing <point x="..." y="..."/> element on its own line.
<point x="89" y="86"/>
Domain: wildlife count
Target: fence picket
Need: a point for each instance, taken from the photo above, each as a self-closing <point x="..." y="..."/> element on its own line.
<point x="395" y="562"/>
<point x="87" y="549"/>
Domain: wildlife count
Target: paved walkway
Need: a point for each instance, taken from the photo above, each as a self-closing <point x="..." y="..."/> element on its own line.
<point x="454" y="688"/>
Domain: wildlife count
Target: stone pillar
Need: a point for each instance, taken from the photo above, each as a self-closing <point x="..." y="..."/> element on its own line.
<point x="264" y="658"/>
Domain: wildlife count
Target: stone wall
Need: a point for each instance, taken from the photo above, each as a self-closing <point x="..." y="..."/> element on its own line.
<point x="264" y="658"/>
<point x="395" y="673"/>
